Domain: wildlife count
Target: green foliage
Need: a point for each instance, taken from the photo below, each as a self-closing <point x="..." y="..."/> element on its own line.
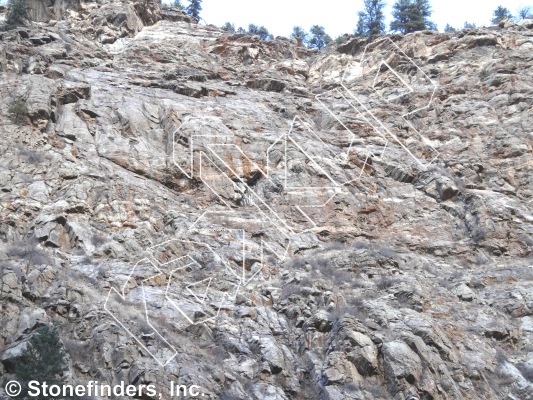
<point x="228" y="27"/>
<point x="500" y="14"/>
<point x="468" y="25"/>
<point x="341" y="39"/>
<point x="194" y="8"/>
<point x="449" y="28"/>
<point x="411" y="16"/>
<point x="18" y="111"/>
<point x="260" y="31"/>
<point x="177" y="3"/>
<point x="17" y="14"/>
<point x="371" y="20"/>
<point x="318" y="38"/>
<point x="42" y="361"/>
<point x="525" y="13"/>
<point x="299" y="33"/>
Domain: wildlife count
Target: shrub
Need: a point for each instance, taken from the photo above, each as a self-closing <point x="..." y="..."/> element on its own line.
<point x="33" y="157"/>
<point x="18" y="111"/>
<point x="385" y="282"/>
<point x="97" y="240"/>
<point x="289" y="290"/>
<point x="28" y="250"/>
<point x="484" y="74"/>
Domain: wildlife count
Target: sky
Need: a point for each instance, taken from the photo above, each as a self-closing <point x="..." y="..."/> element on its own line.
<point x="339" y="16"/>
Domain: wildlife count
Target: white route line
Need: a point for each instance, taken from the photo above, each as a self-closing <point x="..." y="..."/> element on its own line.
<point x="353" y="136"/>
<point x="403" y="116"/>
<point x="122" y="295"/>
<point x="267" y="213"/>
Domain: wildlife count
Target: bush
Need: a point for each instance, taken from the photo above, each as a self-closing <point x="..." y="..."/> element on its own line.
<point x="289" y="290"/>
<point x="18" y="111"/>
<point x="385" y="282"/>
<point x="28" y="250"/>
<point x="33" y="157"/>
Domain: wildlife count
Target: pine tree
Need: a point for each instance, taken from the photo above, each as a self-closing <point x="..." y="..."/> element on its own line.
<point x="299" y="33"/>
<point x="177" y="3"/>
<point x="500" y="14"/>
<point x="319" y="38"/>
<point x="360" y="28"/>
<point x="411" y="16"/>
<point x="42" y="361"/>
<point x="260" y="31"/>
<point x="449" y="28"/>
<point x="371" y="20"/>
<point x="228" y="27"/>
<point x="17" y="14"/>
<point x="468" y="25"/>
<point x="194" y="8"/>
<point x="525" y="13"/>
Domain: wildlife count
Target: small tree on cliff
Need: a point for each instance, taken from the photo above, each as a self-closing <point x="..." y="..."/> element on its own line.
<point x="194" y="8"/>
<point x="260" y="31"/>
<point x="319" y="38"/>
<point x="17" y="14"/>
<point x="300" y="34"/>
<point x="42" y="361"/>
<point x="524" y="13"/>
<point x="500" y="14"/>
<point x="411" y="16"/>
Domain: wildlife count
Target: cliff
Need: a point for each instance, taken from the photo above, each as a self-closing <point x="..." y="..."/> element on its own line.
<point x="266" y="221"/>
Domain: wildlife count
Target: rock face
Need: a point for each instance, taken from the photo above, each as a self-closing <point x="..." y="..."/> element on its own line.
<point x="262" y="220"/>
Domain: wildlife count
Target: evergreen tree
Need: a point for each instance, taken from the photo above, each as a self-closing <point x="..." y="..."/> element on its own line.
<point x="260" y="31"/>
<point x="318" y="38"/>
<point x="17" y="14"/>
<point x="194" y="9"/>
<point x="42" y="361"/>
<point x="360" y="28"/>
<point x="500" y="14"/>
<point x="371" y="20"/>
<point x="411" y="16"/>
<point x="177" y="3"/>
<point x="228" y="27"/>
<point x="449" y="28"/>
<point x="468" y="25"/>
<point x="299" y="33"/>
<point x="525" y="13"/>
